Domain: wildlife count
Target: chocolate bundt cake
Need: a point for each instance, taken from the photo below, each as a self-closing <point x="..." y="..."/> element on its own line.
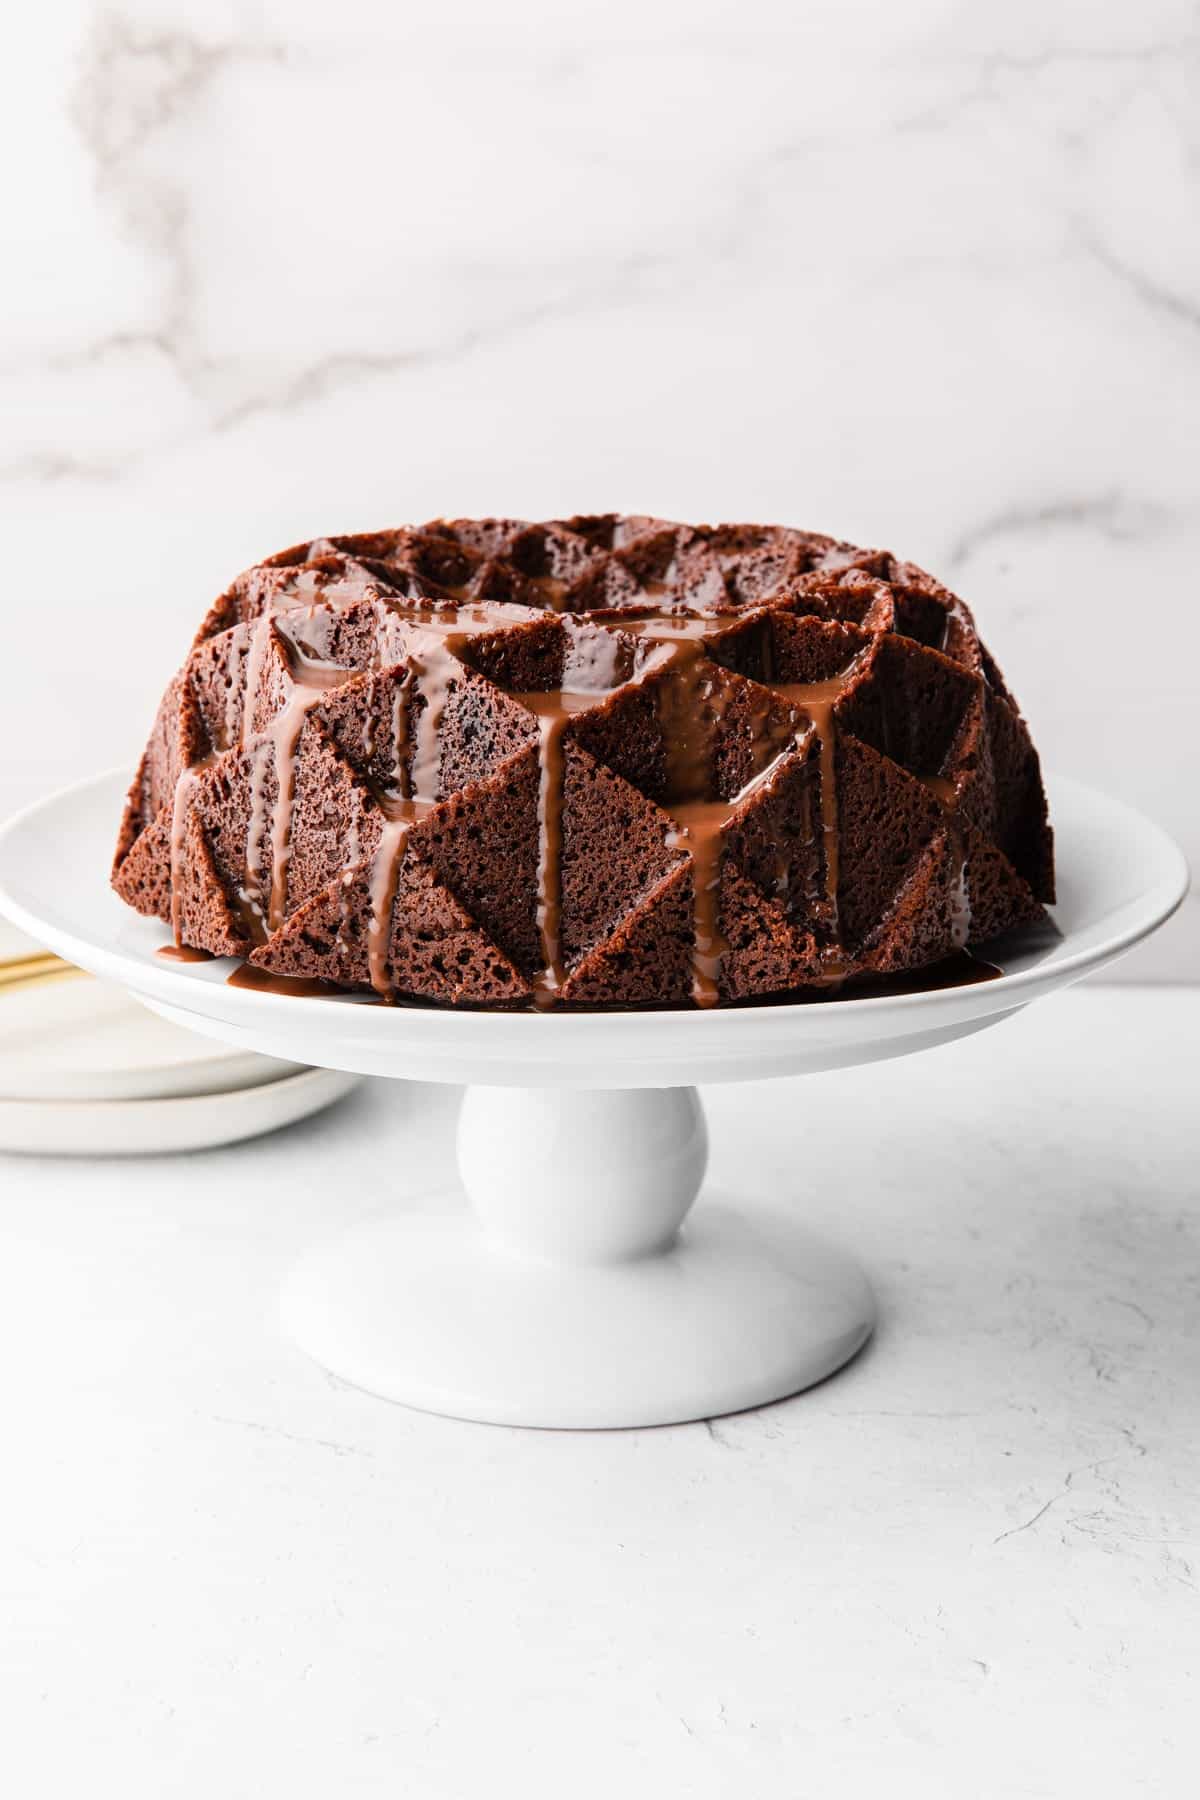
<point x="598" y="762"/>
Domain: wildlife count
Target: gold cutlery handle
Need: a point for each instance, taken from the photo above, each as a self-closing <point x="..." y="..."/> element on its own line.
<point x="43" y="967"/>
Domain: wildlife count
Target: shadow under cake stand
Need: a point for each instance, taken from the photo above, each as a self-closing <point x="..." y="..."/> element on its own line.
<point x="578" y="1288"/>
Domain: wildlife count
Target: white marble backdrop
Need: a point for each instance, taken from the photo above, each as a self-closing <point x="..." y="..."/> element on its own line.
<point x="920" y="274"/>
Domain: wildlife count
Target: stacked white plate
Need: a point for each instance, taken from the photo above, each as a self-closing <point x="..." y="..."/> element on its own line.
<point x="86" y="1071"/>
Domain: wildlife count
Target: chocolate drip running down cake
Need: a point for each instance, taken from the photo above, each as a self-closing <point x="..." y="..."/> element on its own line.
<point x="600" y="762"/>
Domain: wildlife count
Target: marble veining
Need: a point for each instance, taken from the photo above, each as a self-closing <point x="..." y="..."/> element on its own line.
<point x="921" y="274"/>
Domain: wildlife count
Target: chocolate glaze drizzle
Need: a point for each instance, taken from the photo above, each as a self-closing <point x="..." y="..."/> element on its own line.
<point x="552" y="711"/>
<point x="817" y="701"/>
<point x="604" y="655"/>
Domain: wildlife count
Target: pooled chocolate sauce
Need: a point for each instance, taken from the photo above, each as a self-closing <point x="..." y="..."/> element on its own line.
<point x="963" y="969"/>
<point x="262" y="981"/>
<point x="183" y="953"/>
<point x="960" y="970"/>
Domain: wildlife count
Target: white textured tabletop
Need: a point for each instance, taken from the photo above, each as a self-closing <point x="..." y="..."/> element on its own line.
<point x="967" y="1565"/>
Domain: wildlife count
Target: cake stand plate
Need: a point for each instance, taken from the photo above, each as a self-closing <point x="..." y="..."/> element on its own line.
<point x="577" y="1290"/>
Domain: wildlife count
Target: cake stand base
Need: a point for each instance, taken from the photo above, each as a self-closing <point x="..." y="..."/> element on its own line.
<point x="740" y="1311"/>
<point x="576" y="1296"/>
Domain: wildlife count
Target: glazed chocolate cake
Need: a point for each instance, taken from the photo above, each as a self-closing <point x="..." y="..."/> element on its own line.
<point x="599" y="762"/>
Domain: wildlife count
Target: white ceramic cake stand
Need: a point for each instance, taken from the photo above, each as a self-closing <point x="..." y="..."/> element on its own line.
<point x="572" y="1292"/>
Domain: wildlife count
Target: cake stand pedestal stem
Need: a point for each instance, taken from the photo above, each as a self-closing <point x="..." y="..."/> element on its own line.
<point x="574" y="1290"/>
<point x="582" y="1175"/>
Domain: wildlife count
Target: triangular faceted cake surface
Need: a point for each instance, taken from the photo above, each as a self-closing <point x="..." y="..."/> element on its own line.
<point x="600" y="761"/>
